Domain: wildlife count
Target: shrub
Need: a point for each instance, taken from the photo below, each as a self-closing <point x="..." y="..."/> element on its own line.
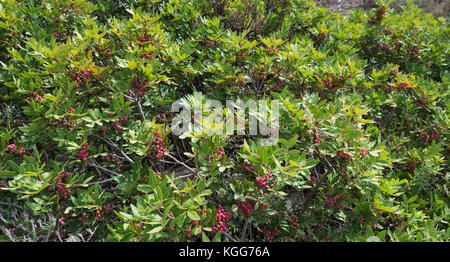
<point x="86" y="143"/>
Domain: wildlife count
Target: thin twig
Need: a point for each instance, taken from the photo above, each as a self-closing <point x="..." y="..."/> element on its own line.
<point x="228" y="236"/>
<point x="244" y="230"/>
<point x="92" y="233"/>
<point x="92" y="164"/>
<point x="101" y="181"/>
<point x="181" y="163"/>
<point x="116" y="147"/>
<point x="141" y="112"/>
<point x="112" y="90"/>
<point x="313" y="191"/>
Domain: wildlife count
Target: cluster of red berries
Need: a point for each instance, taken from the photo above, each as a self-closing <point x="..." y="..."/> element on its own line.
<point x="144" y="38"/>
<point x="363" y="153"/>
<point x="221" y="152"/>
<point x="262" y="182"/>
<point x="239" y="57"/>
<point x="147" y="56"/>
<point x="103" y="210"/>
<point x="259" y="74"/>
<point x="346" y="176"/>
<point x="210" y="43"/>
<point x="411" y="165"/>
<point x="105" y="50"/>
<point x="245" y="207"/>
<point x="342" y="155"/>
<point x="271" y="235"/>
<point x="312" y="181"/>
<point x="386" y="48"/>
<point x="65" y="11"/>
<point x="263" y="206"/>
<point x="379" y="15"/>
<point x="13" y="149"/>
<point x="114" y="159"/>
<point x="64" y="216"/>
<point x="394" y="72"/>
<point x="248" y="167"/>
<point x="386" y="32"/>
<point x="333" y="201"/>
<point x="422" y="101"/>
<point x="321" y="37"/>
<point x="116" y="124"/>
<point x="433" y="136"/>
<point x="414" y="52"/>
<point x="68" y="118"/>
<point x="34" y="95"/>
<point x="276" y="215"/>
<point x="160" y="146"/>
<point x="70" y="9"/>
<point x="271" y="50"/>
<point x="328" y="83"/>
<point x="237" y="82"/>
<point x="138" y="86"/>
<point x="401" y="86"/>
<point x="221" y="86"/>
<point x="81" y="77"/>
<point x="317" y="140"/>
<point x="293" y="220"/>
<point x="83" y="154"/>
<point x="62" y="189"/>
<point x="222" y="218"/>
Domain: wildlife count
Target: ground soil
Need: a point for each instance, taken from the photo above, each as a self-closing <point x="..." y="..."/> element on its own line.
<point x="436" y="7"/>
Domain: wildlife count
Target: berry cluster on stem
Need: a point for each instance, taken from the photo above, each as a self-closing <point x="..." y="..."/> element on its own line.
<point x="271" y="235"/>
<point x="222" y="217"/>
<point x="160" y="146"/>
<point x="333" y="201"/>
<point x="221" y="152"/>
<point x="263" y="181"/>
<point x="116" y="124"/>
<point x="60" y="188"/>
<point x="83" y="154"/>
<point x="138" y="86"/>
<point x="342" y="155"/>
<point x="379" y="15"/>
<point x="245" y="207"/>
<point x="82" y="77"/>
<point x="13" y="149"/>
<point x="102" y="210"/>
<point x="401" y="86"/>
<point x="105" y="50"/>
<point x="363" y="152"/>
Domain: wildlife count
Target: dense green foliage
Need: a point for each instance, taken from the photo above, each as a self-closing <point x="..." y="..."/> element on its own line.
<point x="86" y="150"/>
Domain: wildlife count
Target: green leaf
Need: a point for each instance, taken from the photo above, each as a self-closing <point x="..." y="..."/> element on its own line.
<point x="193" y="215"/>
<point x="155" y="230"/>
<point x="144" y="188"/>
<point x="205" y="238"/>
<point x="373" y="239"/>
<point x="132" y="65"/>
<point x="217" y="237"/>
<point x="412" y="199"/>
<point x="50" y="97"/>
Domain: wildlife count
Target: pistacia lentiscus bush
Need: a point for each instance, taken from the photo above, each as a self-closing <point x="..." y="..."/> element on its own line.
<point x="87" y="152"/>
